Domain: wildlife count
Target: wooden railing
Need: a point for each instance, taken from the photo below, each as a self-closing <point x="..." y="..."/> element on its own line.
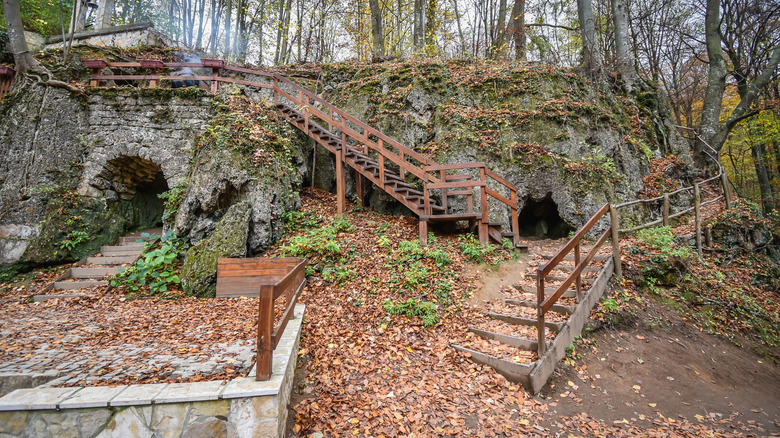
<point x="367" y="139"/>
<point x="270" y="279"/>
<point x="6" y="79"/>
<point x="545" y="304"/>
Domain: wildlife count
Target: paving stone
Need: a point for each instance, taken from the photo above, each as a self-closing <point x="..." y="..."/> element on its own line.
<point x="91" y="397"/>
<point x="194" y="391"/>
<point x="137" y="395"/>
<point x="34" y="398"/>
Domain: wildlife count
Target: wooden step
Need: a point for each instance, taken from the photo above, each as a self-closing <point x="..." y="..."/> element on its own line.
<point x="71" y="285"/>
<point x="93" y="272"/>
<point x="113" y="260"/>
<point x="557" y="308"/>
<point x="570" y="293"/>
<point x="554" y="326"/>
<point x="514" y="341"/>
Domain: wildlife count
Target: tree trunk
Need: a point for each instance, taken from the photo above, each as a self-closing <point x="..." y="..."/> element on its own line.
<point x="199" y="41"/>
<point x="431" y="25"/>
<point x="417" y="32"/>
<point x="377" y="33"/>
<point x="716" y="84"/>
<point x="591" y="60"/>
<point x="500" y="44"/>
<point x="517" y="29"/>
<point x="758" y="151"/>
<point x="460" y="29"/>
<point x="228" y="20"/>
<point x="22" y="57"/>
<point x="625" y="66"/>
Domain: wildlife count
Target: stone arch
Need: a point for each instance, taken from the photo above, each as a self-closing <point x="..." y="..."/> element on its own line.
<point x="541" y="218"/>
<point x="133" y="183"/>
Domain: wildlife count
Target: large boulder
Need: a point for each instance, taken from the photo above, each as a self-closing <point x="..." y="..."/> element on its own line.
<point x="229" y="239"/>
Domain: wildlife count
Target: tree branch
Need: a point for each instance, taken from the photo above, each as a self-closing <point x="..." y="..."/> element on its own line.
<point x="556" y="26"/>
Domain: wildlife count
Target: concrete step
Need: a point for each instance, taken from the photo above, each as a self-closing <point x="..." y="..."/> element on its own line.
<point x="93" y="272"/>
<point x="568" y="268"/>
<point x="121" y="250"/>
<point x="554" y="326"/>
<point x="570" y="257"/>
<point x="41" y="298"/>
<point x="71" y="285"/>
<point x="114" y="260"/>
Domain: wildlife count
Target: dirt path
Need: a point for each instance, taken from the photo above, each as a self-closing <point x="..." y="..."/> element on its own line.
<point x="656" y="364"/>
<point x="654" y="367"/>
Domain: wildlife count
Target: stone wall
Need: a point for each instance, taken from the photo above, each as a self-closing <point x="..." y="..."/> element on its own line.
<point x="241" y="408"/>
<point x="129" y="35"/>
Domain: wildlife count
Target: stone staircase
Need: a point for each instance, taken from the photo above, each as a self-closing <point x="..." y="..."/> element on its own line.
<point x="94" y="271"/>
<point x="505" y="335"/>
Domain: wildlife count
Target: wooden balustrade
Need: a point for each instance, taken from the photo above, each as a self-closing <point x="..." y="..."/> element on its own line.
<point x="545" y="304"/>
<point x="7" y="75"/>
<point x="366" y="139"/>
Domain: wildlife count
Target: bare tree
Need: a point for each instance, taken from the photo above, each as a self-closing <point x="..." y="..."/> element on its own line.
<point x="377" y="32"/>
<point x="748" y="31"/>
<point x="591" y="58"/>
<point x="623" y="58"/>
<point x="516" y="29"/>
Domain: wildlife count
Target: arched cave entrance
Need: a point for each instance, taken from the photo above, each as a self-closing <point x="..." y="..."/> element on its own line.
<point x="134" y="183"/>
<point x="541" y="219"/>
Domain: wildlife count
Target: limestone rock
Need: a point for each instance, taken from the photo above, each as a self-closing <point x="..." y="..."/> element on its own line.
<point x="229" y="239"/>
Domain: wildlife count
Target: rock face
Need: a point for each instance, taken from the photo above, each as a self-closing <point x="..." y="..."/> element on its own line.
<point x="76" y="173"/>
<point x="229" y="239"/>
<point x="546" y="130"/>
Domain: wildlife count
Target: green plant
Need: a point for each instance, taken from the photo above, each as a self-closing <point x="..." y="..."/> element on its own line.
<point x="474" y="250"/>
<point x="156" y="270"/>
<point x="172" y="200"/>
<point x="73" y="239"/>
<point x="299" y="220"/>
<point x="326" y="255"/>
<point x="425" y="310"/>
<point x="610" y="305"/>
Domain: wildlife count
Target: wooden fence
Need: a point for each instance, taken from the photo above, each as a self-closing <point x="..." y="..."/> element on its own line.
<point x="371" y="141"/>
<point x="6" y="79"/>
<point x="545" y="304"/>
<point x="270" y="279"/>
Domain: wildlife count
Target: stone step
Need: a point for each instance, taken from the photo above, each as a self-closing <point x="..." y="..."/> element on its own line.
<point x="41" y="298"/>
<point x="122" y="250"/>
<point x="93" y="272"/>
<point x="114" y="260"/>
<point x="72" y="285"/>
<point x="570" y="268"/>
<point x="570" y="257"/>
<point x="549" y="277"/>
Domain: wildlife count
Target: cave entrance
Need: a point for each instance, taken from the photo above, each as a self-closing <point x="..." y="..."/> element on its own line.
<point x="135" y="183"/>
<point x="541" y="219"/>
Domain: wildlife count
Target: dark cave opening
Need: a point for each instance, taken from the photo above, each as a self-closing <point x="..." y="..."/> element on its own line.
<point x="541" y="219"/>
<point x="148" y="207"/>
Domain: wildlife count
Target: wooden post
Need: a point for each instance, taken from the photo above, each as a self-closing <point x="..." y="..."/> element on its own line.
<point x="515" y="218"/>
<point x="94" y="82"/>
<point x="423" y="232"/>
<point x="665" y="213"/>
<point x="483" y="223"/>
<point x="215" y="82"/>
<point x="443" y="174"/>
<point x="359" y="187"/>
<point x="340" y="192"/>
<point x="276" y="88"/>
<point x="540" y="348"/>
<point x="381" y="169"/>
<point x="265" y="324"/>
<point x="579" y="276"/>
<point x="708" y="237"/>
<point x="697" y="215"/>
<point x="724" y="182"/>
<point x="401" y="169"/>
<point x="153" y="82"/>
<point x="615" y="225"/>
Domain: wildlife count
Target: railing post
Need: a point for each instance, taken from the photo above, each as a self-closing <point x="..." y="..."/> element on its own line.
<point x="340" y="195"/>
<point x="265" y="324"/>
<point x="697" y="215"/>
<point x="579" y="276"/>
<point x="276" y="88"/>
<point x="615" y="226"/>
<point x="665" y="211"/>
<point x="724" y="182"/>
<point x="215" y="82"/>
<point x="401" y="170"/>
<point x="483" y="223"/>
<point x="443" y="174"/>
<point x="381" y="169"/>
<point x="515" y="217"/>
<point x="540" y="348"/>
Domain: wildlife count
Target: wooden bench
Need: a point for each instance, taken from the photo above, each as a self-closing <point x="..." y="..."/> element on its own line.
<point x="269" y="279"/>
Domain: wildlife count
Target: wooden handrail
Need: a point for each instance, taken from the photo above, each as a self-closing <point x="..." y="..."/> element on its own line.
<point x="370" y="140"/>
<point x="545" y="304"/>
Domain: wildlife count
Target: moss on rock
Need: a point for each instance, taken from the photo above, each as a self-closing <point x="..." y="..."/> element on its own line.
<point x="229" y="239"/>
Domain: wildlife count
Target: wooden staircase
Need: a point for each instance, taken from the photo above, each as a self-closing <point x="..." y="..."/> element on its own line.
<point x="423" y="186"/>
